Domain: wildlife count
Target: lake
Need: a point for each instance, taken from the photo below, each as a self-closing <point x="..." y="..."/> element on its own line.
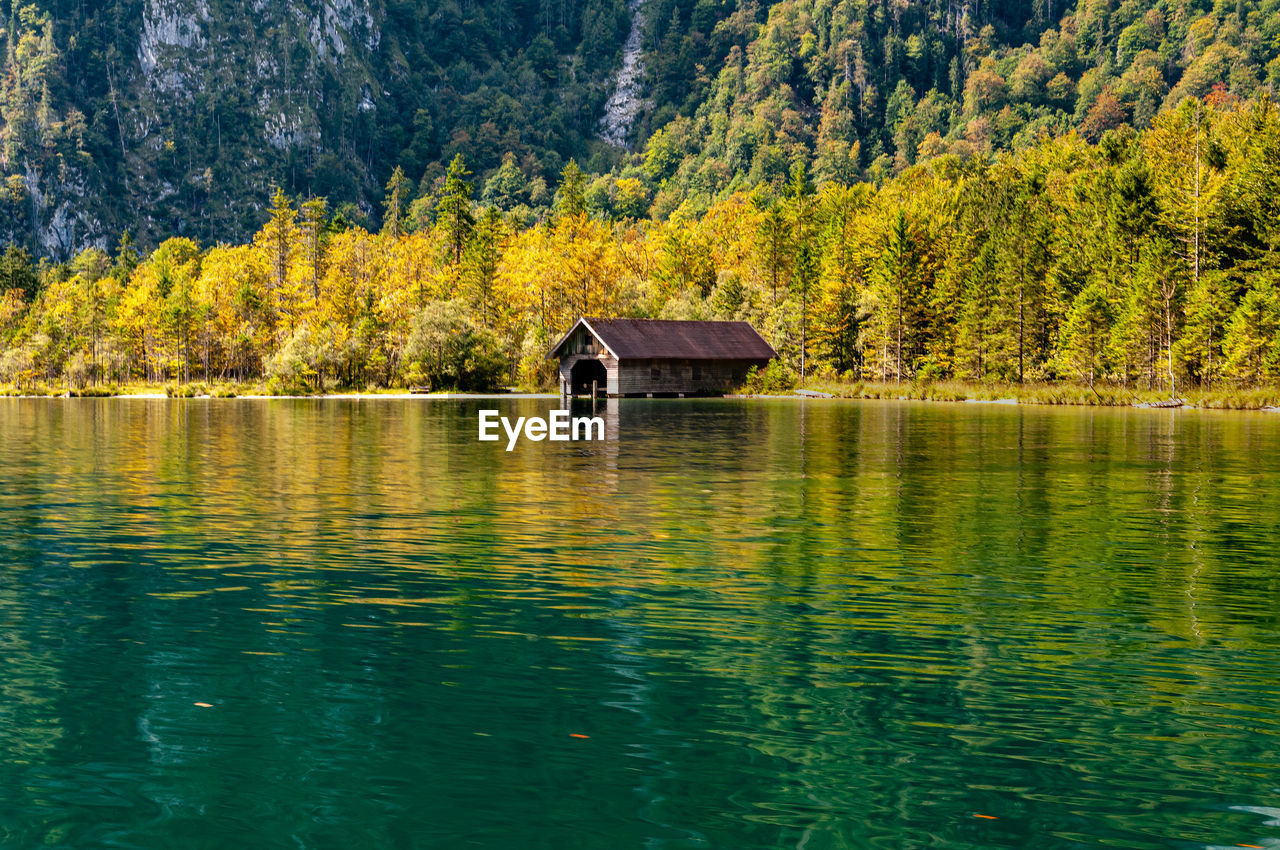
<point x="733" y="624"/>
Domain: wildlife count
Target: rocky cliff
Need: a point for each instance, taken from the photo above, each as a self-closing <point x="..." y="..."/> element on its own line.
<point x="178" y="116"/>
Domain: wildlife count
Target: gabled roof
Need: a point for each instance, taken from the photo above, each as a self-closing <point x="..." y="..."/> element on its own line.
<point x="634" y="338"/>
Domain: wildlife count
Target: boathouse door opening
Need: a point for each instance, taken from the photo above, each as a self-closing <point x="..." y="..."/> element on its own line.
<point x="583" y="373"/>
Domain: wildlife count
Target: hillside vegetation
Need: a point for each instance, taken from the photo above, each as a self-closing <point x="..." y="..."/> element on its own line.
<point x="1147" y="260"/>
<point x="179" y="117"/>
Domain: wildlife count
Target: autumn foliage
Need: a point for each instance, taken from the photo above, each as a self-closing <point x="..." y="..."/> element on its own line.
<point x="1144" y="260"/>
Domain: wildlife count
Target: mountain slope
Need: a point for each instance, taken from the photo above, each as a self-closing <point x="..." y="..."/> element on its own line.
<point x="862" y="89"/>
<point x="178" y="116"/>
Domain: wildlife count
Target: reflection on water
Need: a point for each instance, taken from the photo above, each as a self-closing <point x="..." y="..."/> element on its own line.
<point x="733" y="624"/>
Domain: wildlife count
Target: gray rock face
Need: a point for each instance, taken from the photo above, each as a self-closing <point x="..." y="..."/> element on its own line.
<point x="184" y="47"/>
<point x="216" y="96"/>
<point x="180" y="117"/>
<point x="169" y="29"/>
<point x="61" y="223"/>
<point x="625" y="103"/>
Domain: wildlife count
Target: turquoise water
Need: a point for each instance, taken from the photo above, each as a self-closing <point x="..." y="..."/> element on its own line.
<point x="736" y="624"/>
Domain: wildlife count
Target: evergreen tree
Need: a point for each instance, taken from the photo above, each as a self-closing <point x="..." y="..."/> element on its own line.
<point x="394" y="202"/>
<point x="571" y="198"/>
<point x="508" y="187"/>
<point x="1186" y="158"/>
<point x="280" y="237"/>
<point x="773" y="243"/>
<point x="313" y="218"/>
<point x="126" y="257"/>
<point x="1021" y="255"/>
<point x="899" y="298"/>
<point x="481" y="264"/>
<point x="17" y="273"/>
<point x="1208" y="306"/>
<point x="804" y="216"/>
<point x="454" y="211"/>
<point x="838" y="319"/>
<point x="1083" y="346"/>
<point x="1252" y="342"/>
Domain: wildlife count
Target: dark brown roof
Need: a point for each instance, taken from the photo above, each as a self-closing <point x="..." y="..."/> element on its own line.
<point x="631" y="338"/>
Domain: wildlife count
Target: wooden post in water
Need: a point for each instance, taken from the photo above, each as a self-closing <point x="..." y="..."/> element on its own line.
<point x="593" y="392"/>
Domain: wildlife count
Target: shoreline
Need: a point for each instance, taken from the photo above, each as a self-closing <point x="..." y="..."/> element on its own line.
<point x="1008" y="402"/>
<point x="1260" y="398"/>
<point x="388" y="396"/>
<point x="1203" y="403"/>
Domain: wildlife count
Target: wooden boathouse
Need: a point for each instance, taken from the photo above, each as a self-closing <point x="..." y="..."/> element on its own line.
<point x="655" y="357"/>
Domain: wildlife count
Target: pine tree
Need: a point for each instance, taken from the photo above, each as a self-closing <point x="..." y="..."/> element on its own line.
<point x="1020" y="239"/>
<point x="313" y="216"/>
<point x="1083" y="345"/>
<point x="978" y="318"/>
<point x="17" y="273"/>
<point x="571" y="200"/>
<point x="1208" y="306"/>
<point x="1186" y="158"/>
<point x="454" y="212"/>
<point x="393" y="204"/>
<point x="280" y="237"/>
<point x="481" y="264"/>
<point x="804" y="217"/>
<point x="896" y="299"/>
<point x="773" y="242"/>
<point x="838" y="319"/>
<point x="508" y="187"/>
<point x="126" y="258"/>
<point x="1252" y="342"/>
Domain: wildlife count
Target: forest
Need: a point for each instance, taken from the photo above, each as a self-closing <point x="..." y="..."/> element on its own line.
<point x="1146" y="260"/>
<point x="180" y="117"/>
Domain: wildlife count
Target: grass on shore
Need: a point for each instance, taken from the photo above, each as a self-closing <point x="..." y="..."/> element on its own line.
<point x="1099" y="395"/>
<point x="1255" y="398"/>
<point x="212" y="389"/>
<point x="197" y="389"/>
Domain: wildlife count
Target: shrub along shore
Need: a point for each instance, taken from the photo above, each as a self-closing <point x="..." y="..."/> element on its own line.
<point x="1261" y="398"/>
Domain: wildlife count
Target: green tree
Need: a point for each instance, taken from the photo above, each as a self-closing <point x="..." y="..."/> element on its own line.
<point x="1208" y="306"/>
<point x="507" y="187"/>
<point x="126" y="258"/>
<point x="1186" y="157"/>
<point x="394" y="203"/>
<point x="480" y="264"/>
<point x="17" y="272"/>
<point x="803" y="208"/>
<point x="447" y="350"/>
<point x="773" y="245"/>
<point x="1085" y="334"/>
<point x="1020" y="236"/>
<point x="280" y="237"/>
<point x="900" y="299"/>
<point x="838" y="319"/>
<point x="571" y="198"/>
<point x="1252" y="342"/>
<point x="454" y="210"/>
